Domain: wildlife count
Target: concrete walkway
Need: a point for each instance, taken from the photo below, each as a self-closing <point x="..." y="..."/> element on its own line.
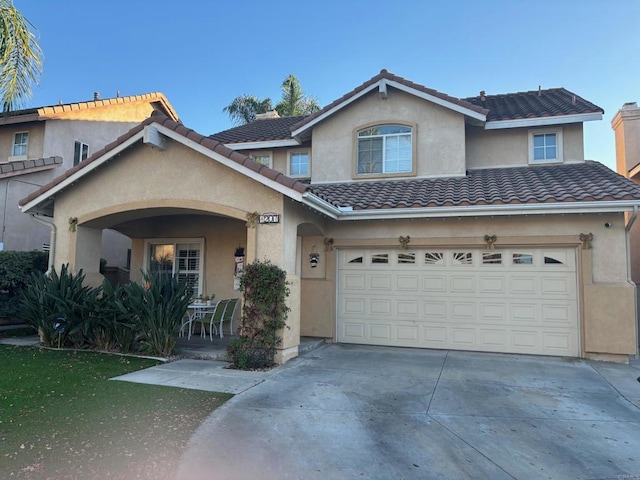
<point x="343" y="412"/>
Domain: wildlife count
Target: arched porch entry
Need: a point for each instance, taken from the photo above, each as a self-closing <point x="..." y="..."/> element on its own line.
<point x="195" y="240"/>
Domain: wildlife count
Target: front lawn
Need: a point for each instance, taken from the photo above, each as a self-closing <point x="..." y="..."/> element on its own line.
<point x="61" y="418"/>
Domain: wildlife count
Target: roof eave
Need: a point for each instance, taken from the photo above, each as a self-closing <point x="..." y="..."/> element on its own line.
<point x="543" y="121"/>
<point x="559" y="208"/>
<point x="287" y="142"/>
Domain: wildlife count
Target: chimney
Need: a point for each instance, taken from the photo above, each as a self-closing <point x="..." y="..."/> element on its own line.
<point x="267" y="115"/>
<point x="483" y="96"/>
<point x="539" y="90"/>
<point x="96" y="96"/>
<point x="626" y="125"/>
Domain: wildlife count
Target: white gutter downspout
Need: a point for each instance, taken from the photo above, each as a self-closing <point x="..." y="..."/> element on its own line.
<point x="52" y="241"/>
<point x="627" y="230"/>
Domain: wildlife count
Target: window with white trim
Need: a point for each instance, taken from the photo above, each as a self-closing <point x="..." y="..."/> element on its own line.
<point x="385" y="149"/>
<point x="80" y="152"/>
<point x="20" y="144"/>
<point x="299" y="164"/>
<point x="263" y="159"/>
<point x="545" y="146"/>
<point x="183" y="257"/>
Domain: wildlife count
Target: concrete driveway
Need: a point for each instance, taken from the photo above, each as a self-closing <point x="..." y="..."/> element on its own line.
<point x="344" y="411"/>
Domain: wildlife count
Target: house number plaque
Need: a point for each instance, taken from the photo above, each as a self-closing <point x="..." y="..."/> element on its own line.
<point x="269" y="218"/>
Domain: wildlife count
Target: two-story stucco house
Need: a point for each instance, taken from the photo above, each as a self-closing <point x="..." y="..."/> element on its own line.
<point x="38" y="144"/>
<point x="403" y="216"/>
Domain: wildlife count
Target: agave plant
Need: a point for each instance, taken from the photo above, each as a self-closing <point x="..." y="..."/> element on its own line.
<point x="60" y="308"/>
<point x="156" y="308"/>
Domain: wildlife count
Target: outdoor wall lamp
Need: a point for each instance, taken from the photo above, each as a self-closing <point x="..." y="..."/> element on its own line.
<point x="314" y="257"/>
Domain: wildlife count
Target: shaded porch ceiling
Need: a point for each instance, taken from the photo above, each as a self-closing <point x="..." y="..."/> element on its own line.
<point x="140" y="222"/>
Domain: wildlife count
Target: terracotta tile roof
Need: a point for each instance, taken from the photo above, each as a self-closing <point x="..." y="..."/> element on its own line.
<point x="509" y="106"/>
<point x="192" y="135"/>
<point x="534" y="104"/>
<point x="48" y="111"/>
<point x="580" y="182"/>
<point x="259" y="131"/>
<point x="23" y="167"/>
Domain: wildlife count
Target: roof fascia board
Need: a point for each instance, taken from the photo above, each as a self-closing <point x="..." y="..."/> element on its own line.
<point x="31" y="117"/>
<point x="265" y="144"/>
<point x="438" y="101"/>
<point x="289" y="192"/>
<point x="542" y="121"/>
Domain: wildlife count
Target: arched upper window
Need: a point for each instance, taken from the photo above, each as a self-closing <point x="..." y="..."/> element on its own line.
<point x="385" y="149"/>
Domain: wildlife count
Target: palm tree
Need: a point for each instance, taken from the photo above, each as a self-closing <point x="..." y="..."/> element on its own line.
<point x="294" y="102"/>
<point x="244" y="108"/>
<point x="20" y="57"/>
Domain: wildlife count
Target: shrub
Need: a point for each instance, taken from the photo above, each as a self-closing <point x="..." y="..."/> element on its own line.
<point x="156" y="310"/>
<point x="15" y="273"/>
<point x="264" y="314"/>
<point x="60" y="308"/>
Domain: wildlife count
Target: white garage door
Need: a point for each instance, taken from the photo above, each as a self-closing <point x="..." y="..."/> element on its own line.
<point x="511" y="300"/>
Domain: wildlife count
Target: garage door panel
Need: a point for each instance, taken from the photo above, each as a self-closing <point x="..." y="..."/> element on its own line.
<point x="353" y="281"/>
<point x="518" y="301"/>
<point x="380" y="282"/>
<point x="463" y="310"/>
<point x="463" y="284"/>
<point x="519" y="284"/>
<point x="435" y="310"/>
<point x="407" y="282"/>
<point x="494" y="338"/>
<point x="493" y="312"/>
<point x="380" y="332"/>
<point x="434" y="283"/>
<point x="493" y="284"/>
<point x="380" y="306"/>
<point x="353" y="306"/>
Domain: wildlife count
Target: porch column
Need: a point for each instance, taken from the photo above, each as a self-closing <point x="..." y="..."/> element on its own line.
<point x="85" y="248"/>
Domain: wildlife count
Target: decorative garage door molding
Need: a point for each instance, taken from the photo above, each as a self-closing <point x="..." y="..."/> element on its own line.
<point x="519" y="300"/>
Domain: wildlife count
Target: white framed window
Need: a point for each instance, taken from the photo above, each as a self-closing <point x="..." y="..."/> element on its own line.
<point x="545" y="146"/>
<point x="183" y="257"/>
<point x="263" y="159"/>
<point x="384" y="149"/>
<point x="299" y="164"/>
<point x="20" y="145"/>
<point x="80" y="152"/>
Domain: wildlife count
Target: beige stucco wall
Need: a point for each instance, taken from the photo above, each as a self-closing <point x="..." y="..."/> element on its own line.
<point x="439" y="134"/>
<point x="124" y="111"/>
<point x="510" y="147"/>
<point x="35" y="147"/>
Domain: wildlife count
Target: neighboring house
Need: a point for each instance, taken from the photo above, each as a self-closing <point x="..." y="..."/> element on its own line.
<point x="626" y="125"/>
<point x="403" y="216"/>
<point x="38" y="144"/>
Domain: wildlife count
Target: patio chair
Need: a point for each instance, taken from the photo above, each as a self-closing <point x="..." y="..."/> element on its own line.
<point x="199" y="314"/>
<point x="227" y="315"/>
<point x="217" y="316"/>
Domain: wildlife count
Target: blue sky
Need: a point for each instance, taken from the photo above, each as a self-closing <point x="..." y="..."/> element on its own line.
<point x="203" y="53"/>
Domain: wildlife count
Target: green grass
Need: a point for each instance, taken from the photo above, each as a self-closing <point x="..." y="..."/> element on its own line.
<point x="61" y="418"/>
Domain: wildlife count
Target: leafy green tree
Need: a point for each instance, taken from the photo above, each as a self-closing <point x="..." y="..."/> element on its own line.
<point x="294" y="102"/>
<point x="244" y="108"/>
<point x="20" y="57"/>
